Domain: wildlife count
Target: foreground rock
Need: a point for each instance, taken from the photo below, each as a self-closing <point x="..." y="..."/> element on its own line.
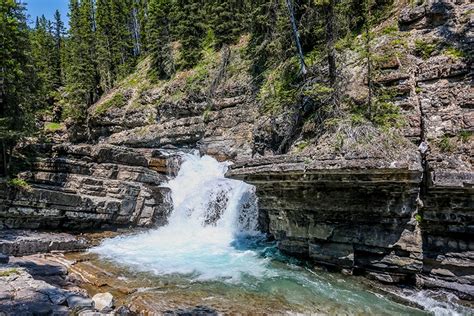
<point x="24" y="242"/>
<point x="36" y="286"/>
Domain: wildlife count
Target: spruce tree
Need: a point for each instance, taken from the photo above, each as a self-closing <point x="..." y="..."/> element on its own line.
<point x="15" y="80"/>
<point x="43" y="49"/>
<point x="58" y="34"/>
<point x="116" y="41"/>
<point x="159" y="38"/>
<point x="190" y="29"/>
<point x="226" y="19"/>
<point x="82" y="77"/>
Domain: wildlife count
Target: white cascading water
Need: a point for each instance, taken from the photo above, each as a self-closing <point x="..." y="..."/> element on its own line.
<point x="209" y="213"/>
<point x="205" y="239"/>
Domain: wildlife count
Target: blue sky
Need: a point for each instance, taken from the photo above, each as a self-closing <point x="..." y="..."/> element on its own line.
<point x="46" y="7"/>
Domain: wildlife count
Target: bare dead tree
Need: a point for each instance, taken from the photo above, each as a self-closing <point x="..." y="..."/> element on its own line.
<point x="296" y="37"/>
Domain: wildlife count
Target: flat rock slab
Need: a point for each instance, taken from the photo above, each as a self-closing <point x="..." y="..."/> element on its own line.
<point x="40" y="285"/>
<point x="24" y="242"/>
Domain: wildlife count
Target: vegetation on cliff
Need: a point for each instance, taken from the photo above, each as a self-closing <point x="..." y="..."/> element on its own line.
<point x="296" y="53"/>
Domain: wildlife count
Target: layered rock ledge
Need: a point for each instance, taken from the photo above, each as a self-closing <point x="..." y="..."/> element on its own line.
<point x="369" y="216"/>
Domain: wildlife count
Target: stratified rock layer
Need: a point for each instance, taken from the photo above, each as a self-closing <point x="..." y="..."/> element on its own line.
<point x="80" y="187"/>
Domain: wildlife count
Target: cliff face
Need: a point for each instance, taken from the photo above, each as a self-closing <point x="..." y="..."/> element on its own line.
<point x="395" y="207"/>
<point x="405" y="217"/>
<point x="81" y="187"/>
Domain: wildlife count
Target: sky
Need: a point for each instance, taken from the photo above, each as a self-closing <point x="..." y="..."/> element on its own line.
<point x="47" y="7"/>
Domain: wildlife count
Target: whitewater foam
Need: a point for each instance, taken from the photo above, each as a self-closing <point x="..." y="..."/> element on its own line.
<point x="209" y="213"/>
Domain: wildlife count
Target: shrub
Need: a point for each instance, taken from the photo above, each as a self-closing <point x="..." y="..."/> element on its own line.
<point x="454" y="52"/>
<point x="118" y="100"/>
<point x="18" y="183"/>
<point x="445" y="144"/>
<point x="424" y="49"/>
<point x="53" y="126"/>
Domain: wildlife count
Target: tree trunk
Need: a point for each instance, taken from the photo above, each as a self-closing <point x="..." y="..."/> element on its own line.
<point x="330" y="42"/>
<point x="4" y="159"/>
<point x="368" y="59"/>
<point x="296" y="37"/>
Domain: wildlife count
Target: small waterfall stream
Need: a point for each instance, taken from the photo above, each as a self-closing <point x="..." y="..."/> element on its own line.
<point x="210" y="212"/>
<point x="211" y="245"/>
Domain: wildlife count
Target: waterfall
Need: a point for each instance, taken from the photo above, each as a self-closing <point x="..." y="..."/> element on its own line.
<point x="210" y="214"/>
<point x="203" y="198"/>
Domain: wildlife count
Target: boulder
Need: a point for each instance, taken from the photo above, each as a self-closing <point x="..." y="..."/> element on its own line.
<point x="103" y="302"/>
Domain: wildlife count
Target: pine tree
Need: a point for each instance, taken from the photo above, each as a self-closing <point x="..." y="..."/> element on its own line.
<point x="159" y="37"/>
<point x="58" y="34"/>
<point x="227" y="20"/>
<point x="104" y="44"/>
<point x="116" y="39"/>
<point x="15" y="79"/>
<point x="44" y="59"/>
<point x="190" y="30"/>
<point x="81" y="71"/>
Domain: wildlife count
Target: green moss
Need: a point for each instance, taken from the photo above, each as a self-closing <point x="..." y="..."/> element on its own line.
<point x="118" y="100"/>
<point x="418" y="90"/>
<point x="18" y="183"/>
<point x="53" y="126"/>
<point x="454" y="52"/>
<point x="9" y="272"/>
<point x="418" y="218"/>
<point x="425" y="49"/>
<point x="302" y="145"/>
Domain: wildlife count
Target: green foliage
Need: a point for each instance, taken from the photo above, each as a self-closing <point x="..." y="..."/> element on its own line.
<point x="206" y="114"/>
<point x="118" y="100"/>
<point x="53" y="126"/>
<point x="190" y="30"/>
<point x="425" y="49"/>
<point x="445" y="144"/>
<point x="387" y="115"/>
<point x="465" y="136"/>
<point x="226" y="20"/>
<point x="302" y="145"/>
<point x="18" y="183"/>
<point x="159" y="37"/>
<point x="454" y="52"/>
<point x="17" y="89"/>
<point x="9" y="272"/>
<point x="390" y="29"/>
<point x="418" y="218"/>
<point x="278" y="89"/>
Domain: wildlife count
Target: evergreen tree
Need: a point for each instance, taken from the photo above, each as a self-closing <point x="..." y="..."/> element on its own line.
<point x="227" y="20"/>
<point x="116" y="39"/>
<point x="159" y="37"/>
<point x="58" y="34"/>
<point x="15" y="79"/>
<point x="81" y="71"/>
<point x="190" y="30"/>
<point x="43" y="52"/>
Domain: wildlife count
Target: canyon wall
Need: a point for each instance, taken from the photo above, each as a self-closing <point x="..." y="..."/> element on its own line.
<point x="396" y="208"/>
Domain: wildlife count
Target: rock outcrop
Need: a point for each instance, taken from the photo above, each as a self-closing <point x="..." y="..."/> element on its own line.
<point x="80" y="187"/>
<point x="377" y="215"/>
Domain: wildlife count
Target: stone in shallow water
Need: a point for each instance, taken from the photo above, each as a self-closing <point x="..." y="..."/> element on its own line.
<point x="78" y="302"/>
<point x="4" y="258"/>
<point x="198" y="310"/>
